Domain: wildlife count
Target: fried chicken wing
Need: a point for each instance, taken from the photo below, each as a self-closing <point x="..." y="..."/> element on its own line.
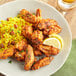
<point x="45" y="23"/>
<point x="27" y="31"/>
<point x="29" y="58"/>
<point x="20" y="55"/>
<point x="42" y="62"/>
<point x="37" y="37"/>
<point x="21" y="45"/>
<point x="27" y="16"/>
<point x="48" y="50"/>
<point x="38" y="12"/>
<point x="7" y="53"/>
<point x="53" y="29"/>
<point x="48" y="26"/>
<point x="37" y="52"/>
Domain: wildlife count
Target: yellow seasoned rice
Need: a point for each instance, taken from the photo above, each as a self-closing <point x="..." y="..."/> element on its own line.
<point x="7" y="26"/>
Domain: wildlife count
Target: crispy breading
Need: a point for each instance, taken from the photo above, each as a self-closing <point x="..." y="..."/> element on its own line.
<point x="27" y="16"/>
<point x="21" y="45"/>
<point x="7" y="53"/>
<point x="37" y="52"/>
<point x="53" y="29"/>
<point x="48" y="26"/>
<point x="27" y="31"/>
<point x="29" y="58"/>
<point x="20" y="55"/>
<point x="46" y="23"/>
<point x="48" y="50"/>
<point x="42" y="62"/>
<point x="37" y="37"/>
<point x="38" y="12"/>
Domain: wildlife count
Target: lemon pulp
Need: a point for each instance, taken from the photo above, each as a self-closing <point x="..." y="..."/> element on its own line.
<point x="54" y="40"/>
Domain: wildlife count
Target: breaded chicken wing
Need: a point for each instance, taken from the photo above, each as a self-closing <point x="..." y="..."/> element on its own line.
<point x="27" y="31"/>
<point x="38" y="12"/>
<point x="52" y="29"/>
<point x="42" y="62"/>
<point x="48" y="50"/>
<point x="37" y="37"/>
<point x="45" y="23"/>
<point x="48" y="26"/>
<point x="29" y="58"/>
<point x="7" y="53"/>
<point x="27" y="16"/>
<point x="37" y="52"/>
<point x="21" y="45"/>
<point x="20" y="55"/>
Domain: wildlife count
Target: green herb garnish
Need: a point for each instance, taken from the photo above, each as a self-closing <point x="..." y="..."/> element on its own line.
<point x="18" y="31"/>
<point x="23" y="15"/>
<point x="34" y="62"/>
<point x="10" y="61"/>
<point x="33" y="13"/>
<point x="22" y="51"/>
<point x="11" y="29"/>
<point x="28" y="56"/>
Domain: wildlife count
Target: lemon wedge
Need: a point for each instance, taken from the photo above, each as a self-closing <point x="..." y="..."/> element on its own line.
<point x="54" y="40"/>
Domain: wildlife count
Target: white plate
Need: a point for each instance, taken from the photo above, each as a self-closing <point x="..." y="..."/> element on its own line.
<point x="17" y="69"/>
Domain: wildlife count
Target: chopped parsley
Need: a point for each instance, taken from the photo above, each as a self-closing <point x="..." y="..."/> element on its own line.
<point x="18" y="31"/>
<point x="33" y="13"/>
<point x="34" y="62"/>
<point x="23" y="15"/>
<point x="28" y="56"/>
<point x="11" y="29"/>
<point x="10" y="61"/>
<point x="21" y="51"/>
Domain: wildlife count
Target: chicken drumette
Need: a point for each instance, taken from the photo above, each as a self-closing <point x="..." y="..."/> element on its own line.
<point x="48" y="50"/>
<point x="29" y="58"/>
<point x="38" y="12"/>
<point x="7" y="53"/>
<point x="21" y="45"/>
<point x="20" y="48"/>
<point x="37" y="52"/>
<point x="27" y="31"/>
<point x="26" y="15"/>
<point x="20" y="55"/>
<point x="37" y="37"/>
<point x="48" y="26"/>
<point x="42" y="62"/>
